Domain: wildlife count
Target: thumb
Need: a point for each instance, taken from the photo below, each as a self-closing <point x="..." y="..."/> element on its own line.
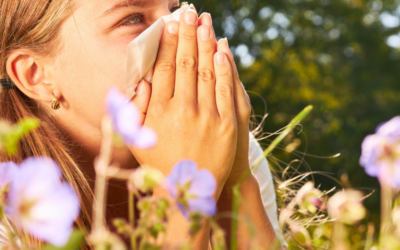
<point x="142" y="98"/>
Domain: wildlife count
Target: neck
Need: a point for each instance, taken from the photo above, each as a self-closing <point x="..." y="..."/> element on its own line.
<point x="86" y="144"/>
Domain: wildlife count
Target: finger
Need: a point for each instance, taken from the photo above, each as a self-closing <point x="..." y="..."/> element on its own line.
<point x="165" y="66"/>
<point x="186" y="60"/>
<point x="205" y="19"/>
<point x="142" y="99"/>
<point x="224" y="86"/>
<point x="206" y="73"/>
<point x="241" y="97"/>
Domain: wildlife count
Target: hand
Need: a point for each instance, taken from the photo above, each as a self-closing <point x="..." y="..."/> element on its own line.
<point x="192" y="105"/>
<point x="243" y="111"/>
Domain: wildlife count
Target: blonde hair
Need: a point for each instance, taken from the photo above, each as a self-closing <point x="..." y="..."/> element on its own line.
<point x="35" y="25"/>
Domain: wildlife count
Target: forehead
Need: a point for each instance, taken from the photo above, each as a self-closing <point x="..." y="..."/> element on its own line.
<point x="101" y="8"/>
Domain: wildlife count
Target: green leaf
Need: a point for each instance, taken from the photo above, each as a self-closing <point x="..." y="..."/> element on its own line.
<point x="75" y="241"/>
<point x="157" y="228"/>
<point x="17" y="132"/>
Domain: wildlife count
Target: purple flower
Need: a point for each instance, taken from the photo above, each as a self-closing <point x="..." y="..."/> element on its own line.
<point x="381" y="153"/>
<point x="7" y="172"/>
<point x="40" y="203"/>
<point x="192" y="189"/>
<point x="126" y="121"/>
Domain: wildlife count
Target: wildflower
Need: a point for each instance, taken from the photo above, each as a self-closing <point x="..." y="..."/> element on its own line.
<point x="309" y="198"/>
<point x="347" y="206"/>
<point x="301" y="235"/>
<point x="146" y="178"/>
<point x="126" y="121"/>
<point x="381" y="153"/>
<point x="7" y="172"/>
<point x="42" y="205"/>
<point x="192" y="189"/>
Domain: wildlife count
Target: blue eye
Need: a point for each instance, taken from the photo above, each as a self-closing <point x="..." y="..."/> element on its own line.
<point x="132" y="20"/>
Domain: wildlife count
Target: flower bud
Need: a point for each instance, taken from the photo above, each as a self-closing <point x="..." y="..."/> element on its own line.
<point x="146" y="178"/>
<point x="347" y="206"/>
<point x="309" y="198"/>
<point x="301" y="235"/>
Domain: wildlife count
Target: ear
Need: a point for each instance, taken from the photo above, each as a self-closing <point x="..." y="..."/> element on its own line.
<point x="29" y="76"/>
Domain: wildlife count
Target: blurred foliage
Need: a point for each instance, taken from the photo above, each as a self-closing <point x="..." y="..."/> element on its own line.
<point x="75" y="241"/>
<point x="332" y="54"/>
<point x="10" y="135"/>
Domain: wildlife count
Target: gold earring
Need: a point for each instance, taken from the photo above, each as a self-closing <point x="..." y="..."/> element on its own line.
<point x="55" y="104"/>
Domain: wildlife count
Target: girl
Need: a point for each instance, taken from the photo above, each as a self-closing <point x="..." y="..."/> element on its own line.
<point x="68" y="53"/>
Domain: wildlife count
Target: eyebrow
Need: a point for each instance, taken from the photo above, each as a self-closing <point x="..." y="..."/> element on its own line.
<point x="124" y="4"/>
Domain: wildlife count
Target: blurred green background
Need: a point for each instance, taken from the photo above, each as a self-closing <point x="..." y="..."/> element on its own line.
<point x="341" y="56"/>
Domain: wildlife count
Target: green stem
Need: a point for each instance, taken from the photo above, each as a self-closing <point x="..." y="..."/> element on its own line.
<point x="100" y="190"/>
<point x="131" y="202"/>
<point x="386" y="211"/>
<point x="236" y="188"/>
<point x="339" y="236"/>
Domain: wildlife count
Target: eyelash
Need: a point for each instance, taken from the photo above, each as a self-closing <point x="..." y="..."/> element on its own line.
<point x="137" y="18"/>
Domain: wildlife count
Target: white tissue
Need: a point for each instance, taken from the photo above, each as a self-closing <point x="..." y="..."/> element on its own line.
<point x="142" y="52"/>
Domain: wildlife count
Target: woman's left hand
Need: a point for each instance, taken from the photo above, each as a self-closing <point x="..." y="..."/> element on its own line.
<point x="243" y="111"/>
<point x="242" y="106"/>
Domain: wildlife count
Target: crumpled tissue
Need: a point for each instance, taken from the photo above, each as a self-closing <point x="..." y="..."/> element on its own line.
<point x="142" y="52"/>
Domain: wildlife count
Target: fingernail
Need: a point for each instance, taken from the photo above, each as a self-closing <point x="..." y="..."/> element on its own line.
<point x="192" y="6"/>
<point x="220" y="58"/>
<point x="209" y="16"/>
<point x="190" y="17"/>
<point x="140" y="88"/>
<point x="205" y="33"/>
<point x="224" y="42"/>
<point x="172" y="28"/>
<point x="226" y="39"/>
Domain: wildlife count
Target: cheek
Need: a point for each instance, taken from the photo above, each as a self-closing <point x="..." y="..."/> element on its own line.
<point x="86" y="73"/>
<point x="86" y="68"/>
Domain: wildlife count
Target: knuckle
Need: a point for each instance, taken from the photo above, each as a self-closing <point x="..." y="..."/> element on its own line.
<point x="206" y="49"/>
<point x="188" y="63"/>
<point x="170" y="42"/>
<point x="224" y="73"/>
<point x="167" y="65"/>
<point x="188" y="36"/>
<point x="206" y="74"/>
<point x="225" y="90"/>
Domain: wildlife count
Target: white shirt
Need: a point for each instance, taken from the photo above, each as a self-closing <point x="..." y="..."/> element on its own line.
<point x="264" y="178"/>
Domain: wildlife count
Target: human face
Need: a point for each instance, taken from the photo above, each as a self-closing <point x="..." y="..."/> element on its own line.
<point x="93" y="55"/>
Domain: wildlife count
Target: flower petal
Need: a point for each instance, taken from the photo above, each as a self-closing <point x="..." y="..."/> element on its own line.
<point x="203" y="205"/>
<point x="390" y="128"/>
<point x="145" y="138"/>
<point x="127" y="121"/>
<point x="7" y="173"/>
<point x="114" y="100"/>
<point x="52" y="217"/>
<point x="182" y="173"/>
<point x="203" y="184"/>
<point x="186" y="171"/>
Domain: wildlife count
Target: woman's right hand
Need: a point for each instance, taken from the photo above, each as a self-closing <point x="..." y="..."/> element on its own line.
<point x="192" y="102"/>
